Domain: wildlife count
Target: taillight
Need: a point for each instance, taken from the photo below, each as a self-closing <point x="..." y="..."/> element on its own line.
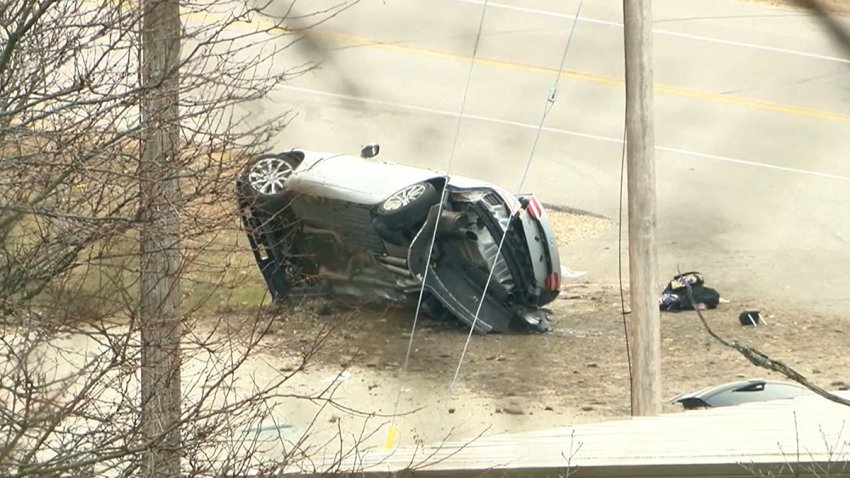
<point x="534" y="208"/>
<point x="553" y="281"/>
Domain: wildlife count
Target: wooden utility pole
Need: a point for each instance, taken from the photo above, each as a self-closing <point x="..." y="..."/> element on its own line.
<point x="643" y="261"/>
<point x="159" y="307"/>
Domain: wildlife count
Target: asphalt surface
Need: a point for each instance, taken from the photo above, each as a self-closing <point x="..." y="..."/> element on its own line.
<point x="752" y="109"/>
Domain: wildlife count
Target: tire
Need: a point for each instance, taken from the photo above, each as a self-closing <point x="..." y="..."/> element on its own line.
<point x="547" y="296"/>
<point x="435" y="309"/>
<point x="408" y="206"/>
<point x="261" y="185"/>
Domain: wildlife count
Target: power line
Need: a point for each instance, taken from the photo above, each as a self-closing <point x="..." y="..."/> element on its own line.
<point x="547" y="107"/>
<point x="443" y="196"/>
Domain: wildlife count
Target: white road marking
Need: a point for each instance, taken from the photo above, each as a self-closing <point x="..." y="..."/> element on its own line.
<point x="721" y="41"/>
<point x="566" y="132"/>
<point x="753" y="163"/>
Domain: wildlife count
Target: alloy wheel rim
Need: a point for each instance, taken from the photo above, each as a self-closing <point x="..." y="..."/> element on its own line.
<point x="268" y="175"/>
<point x="404" y="197"/>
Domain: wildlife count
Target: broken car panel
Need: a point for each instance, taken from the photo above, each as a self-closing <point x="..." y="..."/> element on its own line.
<point x="359" y="226"/>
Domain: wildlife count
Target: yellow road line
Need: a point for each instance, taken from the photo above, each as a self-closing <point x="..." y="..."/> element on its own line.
<point x="576" y="75"/>
<point x="595" y="78"/>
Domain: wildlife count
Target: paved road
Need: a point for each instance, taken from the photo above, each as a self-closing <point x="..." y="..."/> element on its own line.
<point x="753" y="123"/>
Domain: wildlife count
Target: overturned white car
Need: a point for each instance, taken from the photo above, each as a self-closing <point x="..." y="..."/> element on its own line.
<point x="355" y="225"/>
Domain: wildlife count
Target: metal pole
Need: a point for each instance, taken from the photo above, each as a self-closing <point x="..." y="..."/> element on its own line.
<point x="643" y="263"/>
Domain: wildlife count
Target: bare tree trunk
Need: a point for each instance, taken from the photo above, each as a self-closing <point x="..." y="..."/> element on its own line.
<point x="159" y="312"/>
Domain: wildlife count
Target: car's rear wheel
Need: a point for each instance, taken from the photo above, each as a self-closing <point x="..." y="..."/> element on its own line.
<point x="408" y="206"/>
<point x="262" y="182"/>
<point x="547" y="296"/>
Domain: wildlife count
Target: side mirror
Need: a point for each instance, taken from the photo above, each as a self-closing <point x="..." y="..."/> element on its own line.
<point x="370" y="150"/>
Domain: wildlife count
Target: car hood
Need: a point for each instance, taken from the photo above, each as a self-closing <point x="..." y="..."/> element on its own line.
<point x="353" y="179"/>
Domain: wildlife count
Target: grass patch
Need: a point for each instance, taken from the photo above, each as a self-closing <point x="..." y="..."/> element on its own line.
<point x="219" y="272"/>
<point x="220" y="276"/>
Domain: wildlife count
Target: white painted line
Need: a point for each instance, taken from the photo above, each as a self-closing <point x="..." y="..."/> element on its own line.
<point x="755" y="46"/>
<point x="566" y="132"/>
<point x="542" y="12"/>
<point x="451" y="114"/>
<point x="753" y="163"/>
<point x="720" y="41"/>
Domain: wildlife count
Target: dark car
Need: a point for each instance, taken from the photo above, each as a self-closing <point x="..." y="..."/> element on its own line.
<point x="356" y="225"/>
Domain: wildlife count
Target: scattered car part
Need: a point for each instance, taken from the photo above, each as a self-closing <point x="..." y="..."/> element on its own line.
<point x="370" y="150"/>
<point x="737" y="393"/>
<point x="750" y="317"/>
<point x="355" y="225"/>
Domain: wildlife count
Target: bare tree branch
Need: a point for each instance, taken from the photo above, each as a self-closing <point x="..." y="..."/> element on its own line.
<point x="762" y="360"/>
<point x="831" y="24"/>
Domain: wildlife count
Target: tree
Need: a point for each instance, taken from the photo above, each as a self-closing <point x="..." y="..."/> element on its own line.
<point x="159" y="312"/>
<point x="102" y="148"/>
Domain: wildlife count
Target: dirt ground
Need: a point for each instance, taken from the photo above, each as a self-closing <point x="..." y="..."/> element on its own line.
<point x="576" y="373"/>
<point x="582" y="363"/>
